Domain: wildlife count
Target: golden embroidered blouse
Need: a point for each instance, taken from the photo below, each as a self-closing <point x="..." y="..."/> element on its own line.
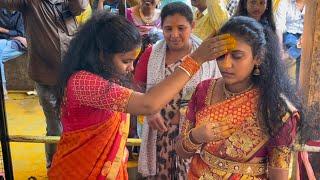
<point x="232" y="158"/>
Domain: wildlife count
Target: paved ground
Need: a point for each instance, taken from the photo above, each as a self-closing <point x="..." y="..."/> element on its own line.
<point x="25" y="117"/>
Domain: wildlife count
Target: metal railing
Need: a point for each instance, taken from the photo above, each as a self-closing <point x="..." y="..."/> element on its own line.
<point x="130" y="142"/>
<point x="55" y="139"/>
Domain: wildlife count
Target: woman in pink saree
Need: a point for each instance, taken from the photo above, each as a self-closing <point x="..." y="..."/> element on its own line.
<point x="242" y="126"/>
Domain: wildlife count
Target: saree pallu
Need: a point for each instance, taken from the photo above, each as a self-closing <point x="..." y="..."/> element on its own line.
<point x="248" y="151"/>
<point x="95" y="152"/>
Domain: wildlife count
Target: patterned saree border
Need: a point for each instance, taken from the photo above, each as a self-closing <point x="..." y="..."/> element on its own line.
<point x="116" y="164"/>
<point x="253" y="169"/>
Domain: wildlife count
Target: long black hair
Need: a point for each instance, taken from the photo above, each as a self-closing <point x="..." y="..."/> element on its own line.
<point x="273" y="81"/>
<point x="267" y="18"/>
<point x="94" y="46"/>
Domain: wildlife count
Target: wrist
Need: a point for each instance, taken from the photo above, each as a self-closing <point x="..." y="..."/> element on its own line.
<point x="188" y="145"/>
<point x="3" y="30"/>
<point x="189" y="65"/>
<point x="196" y="58"/>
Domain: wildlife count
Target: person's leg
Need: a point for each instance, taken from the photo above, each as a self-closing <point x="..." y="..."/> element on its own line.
<point x="289" y="40"/>
<point x="3" y="44"/>
<point x="7" y="53"/>
<point x="298" y="60"/>
<point x="48" y="100"/>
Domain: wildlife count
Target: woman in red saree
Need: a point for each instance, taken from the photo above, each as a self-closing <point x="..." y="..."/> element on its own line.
<point x="242" y="125"/>
<point x="95" y="97"/>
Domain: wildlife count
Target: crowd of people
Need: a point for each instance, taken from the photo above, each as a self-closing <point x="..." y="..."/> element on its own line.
<point x="205" y="81"/>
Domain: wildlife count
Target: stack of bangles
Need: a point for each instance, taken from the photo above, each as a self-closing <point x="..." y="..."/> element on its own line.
<point x="189" y="65"/>
<point x="188" y="145"/>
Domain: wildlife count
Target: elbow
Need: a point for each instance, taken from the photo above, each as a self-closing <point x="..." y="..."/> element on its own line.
<point x="151" y="106"/>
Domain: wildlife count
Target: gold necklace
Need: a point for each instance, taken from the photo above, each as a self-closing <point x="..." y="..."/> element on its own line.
<point x="228" y="94"/>
<point x="146" y="20"/>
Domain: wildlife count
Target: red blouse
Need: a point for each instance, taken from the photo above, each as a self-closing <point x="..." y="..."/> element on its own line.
<point x="91" y="99"/>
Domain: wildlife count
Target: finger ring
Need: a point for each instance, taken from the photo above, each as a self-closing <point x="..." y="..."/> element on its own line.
<point x="216" y="137"/>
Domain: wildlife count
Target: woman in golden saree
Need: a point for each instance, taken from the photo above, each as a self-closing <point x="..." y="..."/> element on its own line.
<point x="241" y="126"/>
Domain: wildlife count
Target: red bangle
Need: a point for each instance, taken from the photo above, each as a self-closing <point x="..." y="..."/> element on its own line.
<point x="189" y="65"/>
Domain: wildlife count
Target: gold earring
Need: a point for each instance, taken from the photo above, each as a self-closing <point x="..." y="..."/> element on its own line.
<point x="256" y="70"/>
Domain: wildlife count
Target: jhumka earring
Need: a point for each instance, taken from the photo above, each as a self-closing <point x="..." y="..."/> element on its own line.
<point x="256" y="70"/>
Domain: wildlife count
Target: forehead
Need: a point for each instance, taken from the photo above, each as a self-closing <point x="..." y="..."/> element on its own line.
<point x="176" y="19"/>
<point x="127" y="55"/>
<point x="257" y="1"/>
<point x="242" y="45"/>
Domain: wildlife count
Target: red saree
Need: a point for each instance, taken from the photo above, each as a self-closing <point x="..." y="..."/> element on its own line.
<point x="248" y="152"/>
<point x="92" y="145"/>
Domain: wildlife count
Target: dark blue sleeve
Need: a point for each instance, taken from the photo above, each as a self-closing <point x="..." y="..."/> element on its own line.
<point x="19" y="30"/>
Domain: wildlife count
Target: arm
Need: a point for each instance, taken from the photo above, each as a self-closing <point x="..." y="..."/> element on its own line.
<point x="100" y="5"/>
<point x="19" y="28"/>
<point x="77" y="6"/>
<point x="191" y="137"/>
<point x="111" y="96"/>
<point x="4" y="30"/>
<point x="157" y="97"/>
<point x="14" y="4"/>
<point x="279" y="151"/>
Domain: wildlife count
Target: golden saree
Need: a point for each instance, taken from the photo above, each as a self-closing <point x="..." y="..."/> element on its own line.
<point x="248" y="152"/>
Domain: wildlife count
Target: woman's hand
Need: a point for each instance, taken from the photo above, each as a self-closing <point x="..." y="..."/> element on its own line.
<point x="22" y="40"/>
<point x="209" y="132"/>
<point x="156" y="122"/>
<point x="213" y="47"/>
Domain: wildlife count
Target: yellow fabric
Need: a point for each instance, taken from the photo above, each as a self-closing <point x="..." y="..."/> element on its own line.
<point x="280" y="157"/>
<point x="85" y="15"/>
<point x="212" y="19"/>
<point x="275" y="5"/>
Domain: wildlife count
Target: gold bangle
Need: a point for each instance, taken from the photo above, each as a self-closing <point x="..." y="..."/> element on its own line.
<point x="182" y="148"/>
<point x="188" y="145"/>
<point x="189" y="65"/>
<point x="183" y="69"/>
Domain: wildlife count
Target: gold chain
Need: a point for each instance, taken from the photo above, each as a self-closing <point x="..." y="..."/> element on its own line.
<point x="146" y="20"/>
<point x="228" y="94"/>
